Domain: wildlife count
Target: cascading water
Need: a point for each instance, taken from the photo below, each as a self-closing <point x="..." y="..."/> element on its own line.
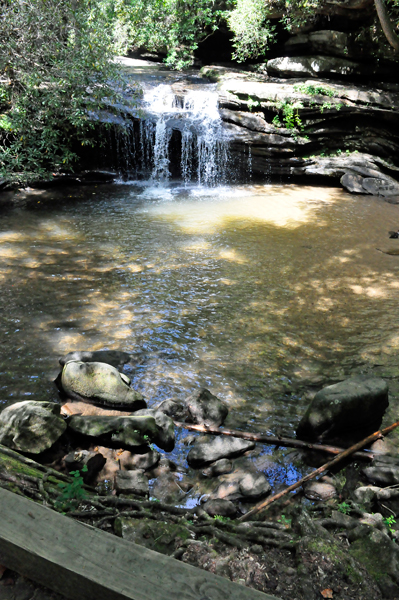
<point x="194" y="114"/>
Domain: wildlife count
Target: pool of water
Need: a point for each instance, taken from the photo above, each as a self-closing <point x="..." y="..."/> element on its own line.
<point x="261" y="293"/>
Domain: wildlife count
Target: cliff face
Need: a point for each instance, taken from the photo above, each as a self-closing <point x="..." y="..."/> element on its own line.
<point x="321" y="127"/>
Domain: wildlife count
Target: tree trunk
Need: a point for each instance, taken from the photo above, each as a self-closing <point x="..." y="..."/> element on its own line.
<point x="386" y="24"/>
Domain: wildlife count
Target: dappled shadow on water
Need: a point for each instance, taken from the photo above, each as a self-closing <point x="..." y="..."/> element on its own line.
<point x="258" y="293"/>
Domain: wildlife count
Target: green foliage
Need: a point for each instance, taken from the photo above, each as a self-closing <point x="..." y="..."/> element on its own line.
<point x="56" y="70"/>
<point x="289" y="114"/>
<point x="253" y="33"/>
<point x="221" y="519"/>
<point x="72" y="493"/>
<point x="252" y="103"/>
<point x="173" y="27"/>
<point x="314" y="90"/>
<point x="344" y="508"/>
<point x="284" y="520"/>
<point x="390" y="522"/>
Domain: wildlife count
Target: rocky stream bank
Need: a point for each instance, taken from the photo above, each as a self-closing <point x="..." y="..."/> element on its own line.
<point x="101" y="456"/>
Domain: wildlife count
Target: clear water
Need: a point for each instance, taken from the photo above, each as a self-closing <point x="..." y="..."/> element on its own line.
<point x="260" y="293"/>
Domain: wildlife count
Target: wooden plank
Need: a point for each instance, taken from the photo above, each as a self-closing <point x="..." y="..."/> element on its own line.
<point x="84" y="563"/>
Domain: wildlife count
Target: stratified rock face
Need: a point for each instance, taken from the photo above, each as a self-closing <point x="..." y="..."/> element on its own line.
<point x="31" y="426"/>
<point x="205" y="408"/>
<point x="314" y="66"/>
<point x="100" y="383"/>
<point x="346" y="406"/>
<point x="219" y="447"/>
<point x="128" y="432"/>
<point x="115" y="358"/>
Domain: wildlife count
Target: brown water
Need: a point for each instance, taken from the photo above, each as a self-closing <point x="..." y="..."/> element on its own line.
<point x="259" y="293"/>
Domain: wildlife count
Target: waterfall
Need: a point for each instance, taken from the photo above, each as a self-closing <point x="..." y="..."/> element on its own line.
<point x="202" y="149"/>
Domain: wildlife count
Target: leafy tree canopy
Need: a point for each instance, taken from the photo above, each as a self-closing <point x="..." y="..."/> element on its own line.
<point x="55" y="68"/>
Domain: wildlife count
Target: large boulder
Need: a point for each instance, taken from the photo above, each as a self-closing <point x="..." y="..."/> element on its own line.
<point x="31" y="426"/>
<point x="126" y="432"/>
<point x="115" y="358"/>
<point x="353" y="404"/>
<point x="100" y="383"/>
<point x="219" y="447"/>
<point x="131" y="482"/>
<point x="314" y="66"/>
<point x="205" y="408"/>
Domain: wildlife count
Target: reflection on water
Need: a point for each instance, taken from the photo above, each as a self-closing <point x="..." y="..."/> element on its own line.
<point x="256" y="292"/>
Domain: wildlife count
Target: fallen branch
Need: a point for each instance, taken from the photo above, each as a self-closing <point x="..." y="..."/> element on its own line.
<point x="270" y="439"/>
<point x="350" y="451"/>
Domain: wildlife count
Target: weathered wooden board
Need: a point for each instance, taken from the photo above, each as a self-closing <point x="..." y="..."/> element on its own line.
<point x="84" y="563"/>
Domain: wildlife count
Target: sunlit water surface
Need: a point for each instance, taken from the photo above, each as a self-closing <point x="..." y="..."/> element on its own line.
<point x="260" y="293"/>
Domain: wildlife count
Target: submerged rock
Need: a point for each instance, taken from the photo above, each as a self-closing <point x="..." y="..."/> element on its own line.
<point x="347" y="406"/>
<point x="31" y="426"/>
<point x="220" y="467"/>
<point x="115" y="358"/>
<point x="205" y="408"/>
<point x="241" y="485"/>
<point x="128" y="432"/>
<point x="99" y="382"/>
<point x="173" y="409"/>
<point x="219" y="447"/>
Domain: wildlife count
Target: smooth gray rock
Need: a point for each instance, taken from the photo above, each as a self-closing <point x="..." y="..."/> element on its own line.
<point x="319" y="491"/>
<point x="353" y="182"/>
<point x="242" y="485"/>
<point x="99" y="383"/>
<point x="350" y="405"/>
<point x="115" y="358"/>
<point x="382" y="474"/>
<point x="31" y="426"/>
<point x="205" y="408"/>
<point x="219" y="447"/>
<point x="381" y="186"/>
<point x="132" y="482"/>
<point x="129" y="432"/>
<point x="165" y="436"/>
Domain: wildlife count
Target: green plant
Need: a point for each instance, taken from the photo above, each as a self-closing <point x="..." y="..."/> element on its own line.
<point x="290" y="115"/>
<point x="344" y="508"/>
<point x="252" y="103"/>
<point x="72" y="493"/>
<point x="284" y="520"/>
<point x="314" y="90"/>
<point x="389" y="522"/>
<point x="221" y="518"/>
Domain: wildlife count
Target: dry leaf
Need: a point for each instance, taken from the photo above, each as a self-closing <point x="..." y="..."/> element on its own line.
<point x="327" y="593"/>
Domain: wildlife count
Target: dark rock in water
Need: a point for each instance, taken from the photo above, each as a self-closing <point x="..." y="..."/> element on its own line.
<point x="165" y="436"/>
<point x="99" y="383"/>
<point x="205" y="408"/>
<point x="223" y="508"/>
<point x="220" y="467"/>
<point x="129" y="432"/>
<point x="94" y="461"/>
<point x="131" y="462"/>
<point x="114" y="358"/>
<point x="350" y="405"/>
<point x="219" y="447"/>
<point x="394" y="235"/>
<point x="31" y="426"/>
<point x="173" y="409"/>
<point x="155" y="535"/>
<point x="131" y="482"/>
<point x="242" y="485"/>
